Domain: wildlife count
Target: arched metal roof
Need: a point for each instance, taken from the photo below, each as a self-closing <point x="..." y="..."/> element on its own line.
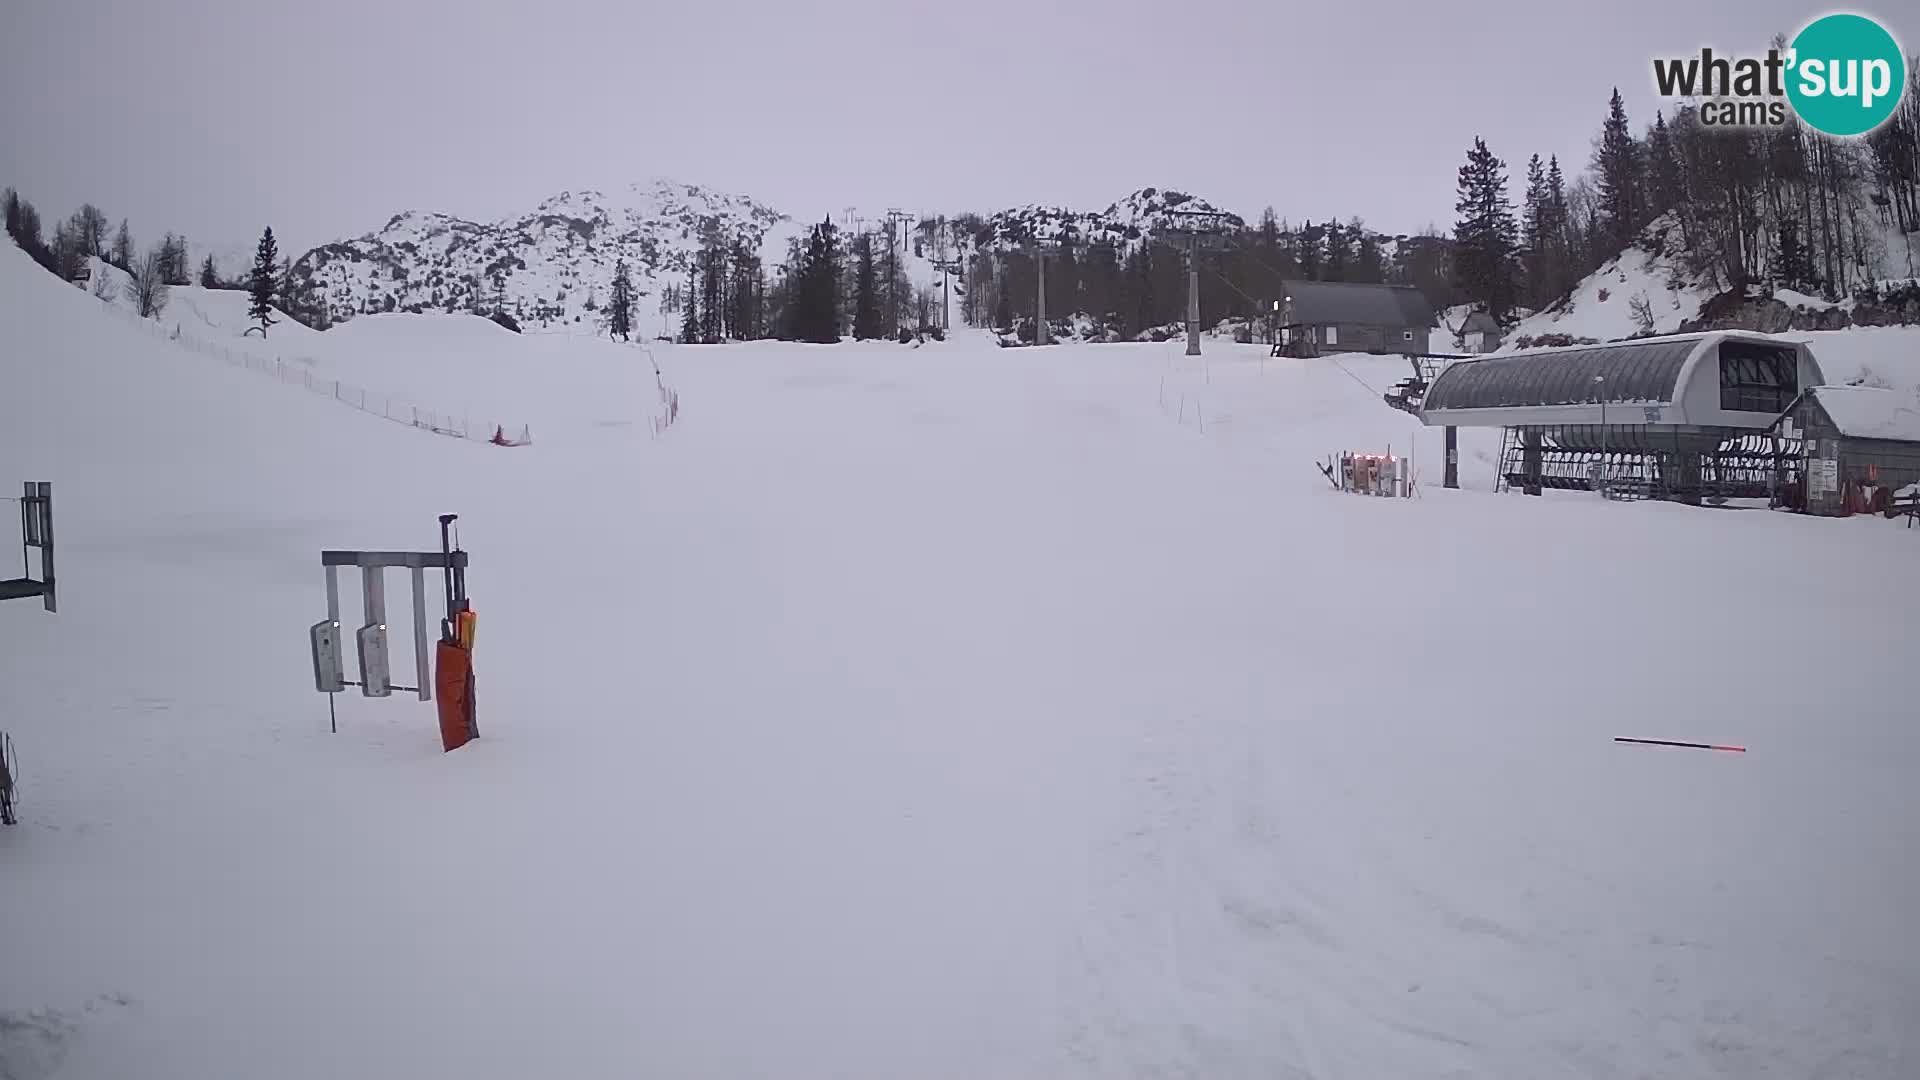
<point x="1635" y="372"/>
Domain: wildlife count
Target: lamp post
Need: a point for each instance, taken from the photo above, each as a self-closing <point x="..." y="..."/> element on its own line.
<point x="1601" y="382"/>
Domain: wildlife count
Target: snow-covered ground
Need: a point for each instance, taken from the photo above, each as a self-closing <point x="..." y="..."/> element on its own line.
<point x="951" y="711"/>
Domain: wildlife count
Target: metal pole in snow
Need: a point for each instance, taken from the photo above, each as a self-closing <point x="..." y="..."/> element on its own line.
<point x="1689" y="745"/>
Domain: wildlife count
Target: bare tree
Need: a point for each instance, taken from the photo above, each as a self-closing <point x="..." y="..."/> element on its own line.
<point x="89" y="227"/>
<point x="147" y="288"/>
<point x="1642" y="310"/>
<point x="102" y="284"/>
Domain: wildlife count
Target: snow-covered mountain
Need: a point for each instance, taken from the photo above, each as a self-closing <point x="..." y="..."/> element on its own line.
<point x="1127" y="221"/>
<point x="551" y="265"/>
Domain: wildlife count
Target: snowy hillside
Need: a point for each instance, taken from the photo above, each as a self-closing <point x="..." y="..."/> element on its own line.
<point x="1636" y="291"/>
<point x="1649" y="288"/>
<point x="553" y="264"/>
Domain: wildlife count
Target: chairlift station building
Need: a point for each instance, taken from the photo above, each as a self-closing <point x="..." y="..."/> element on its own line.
<point x="1686" y="416"/>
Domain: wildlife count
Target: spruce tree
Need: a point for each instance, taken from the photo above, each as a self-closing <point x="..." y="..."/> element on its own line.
<point x="815" y="299"/>
<point x="689" y="315"/>
<point x="1141" y="271"/>
<point x="713" y="287"/>
<point x="1333" y="266"/>
<point x="11" y="201"/>
<point x="1368" y="266"/>
<point x="261" y="284"/>
<point x="122" y="256"/>
<point x="1793" y="267"/>
<point x="620" y="304"/>
<point x="1532" y="210"/>
<point x="1533" y="218"/>
<point x="1484" y="234"/>
<point x="1663" y="169"/>
<point x="1616" y="164"/>
<point x="1307" y="250"/>
<point x="209" y="277"/>
<point x="1003" y="304"/>
<point x="288" y="291"/>
<point x="1555" y="264"/>
<point x="866" y="305"/>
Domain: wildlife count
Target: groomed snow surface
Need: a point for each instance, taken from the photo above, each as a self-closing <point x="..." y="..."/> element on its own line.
<point x="940" y="712"/>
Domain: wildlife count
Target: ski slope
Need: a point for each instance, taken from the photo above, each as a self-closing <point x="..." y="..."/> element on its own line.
<point x="940" y="712"/>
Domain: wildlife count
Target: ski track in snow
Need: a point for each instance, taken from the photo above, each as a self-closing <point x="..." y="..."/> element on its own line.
<point x="951" y="711"/>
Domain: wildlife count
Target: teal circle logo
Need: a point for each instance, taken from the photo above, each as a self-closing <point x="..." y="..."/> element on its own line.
<point x="1846" y="74"/>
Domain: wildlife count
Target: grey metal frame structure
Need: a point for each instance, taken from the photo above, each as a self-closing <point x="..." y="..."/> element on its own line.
<point x="370" y="640"/>
<point x="36" y="531"/>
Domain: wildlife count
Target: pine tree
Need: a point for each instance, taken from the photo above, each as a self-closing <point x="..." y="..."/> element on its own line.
<point x="1143" y="313"/>
<point x="1533" y="221"/>
<point x="261" y="284"/>
<point x="1368" y="266"/>
<point x="1556" y="267"/>
<point x="1307" y="250"/>
<point x="1062" y="267"/>
<point x="209" y="276"/>
<point x="1003" y="303"/>
<point x="1100" y="287"/>
<point x="173" y="260"/>
<point x="1269" y="230"/>
<point x="68" y="251"/>
<point x="690" y="316"/>
<point x="713" y="286"/>
<point x="1793" y="269"/>
<point x="122" y="248"/>
<point x="23" y="225"/>
<point x="1534" y="208"/>
<point x="1333" y="266"/>
<point x="288" y="291"/>
<point x="814" y="307"/>
<point x="866" y="304"/>
<point x="1663" y="169"/>
<point x="1484" y="234"/>
<point x="1616" y="164"/>
<point x="620" y="304"/>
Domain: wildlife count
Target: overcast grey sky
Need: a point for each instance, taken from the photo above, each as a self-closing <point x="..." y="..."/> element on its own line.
<point x="214" y="117"/>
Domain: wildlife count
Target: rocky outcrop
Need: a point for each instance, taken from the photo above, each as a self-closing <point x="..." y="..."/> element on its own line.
<point x="1768" y="315"/>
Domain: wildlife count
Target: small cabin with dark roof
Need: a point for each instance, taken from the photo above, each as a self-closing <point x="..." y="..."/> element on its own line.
<point x="1480" y="333"/>
<point x="1859" y="445"/>
<point x="1319" y="317"/>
